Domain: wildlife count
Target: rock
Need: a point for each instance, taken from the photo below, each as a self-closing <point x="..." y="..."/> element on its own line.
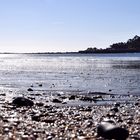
<point x="72" y="97"/>
<point x="29" y="89"/>
<point x="63" y="97"/>
<point x="40" y="85"/>
<point x="111" y="114"/>
<point x="87" y="98"/>
<point x="36" y="118"/>
<point x="109" y="130"/>
<point x="48" y="121"/>
<point x="6" y="129"/>
<point x="2" y="94"/>
<point x="38" y="94"/>
<point x="21" y="101"/>
<point x="58" y="94"/>
<point x="24" y="137"/>
<point x="136" y="104"/>
<point x="31" y="86"/>
<point x="39" y="104"/>
<point x="64" y="102"/>
<point x="56" y="101"/>
<point x="114" y="109"/>
<point x="117" y="104"/>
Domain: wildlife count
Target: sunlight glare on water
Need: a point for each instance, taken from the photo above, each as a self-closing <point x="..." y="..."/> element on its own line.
<point x="118" y="73"/>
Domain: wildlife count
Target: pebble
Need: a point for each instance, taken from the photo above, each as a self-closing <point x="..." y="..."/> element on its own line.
<point x="21" y="101"/>
<point x="108" y="130"/>
<point x="36" y="118"/>
<point x="29" y="89"/>
<point x="56" y="101"/>
<point x="72" y="97"/>
<point x="39" y="104"/>
<point x="60" y="121"/>
<point x="114" y="109"/>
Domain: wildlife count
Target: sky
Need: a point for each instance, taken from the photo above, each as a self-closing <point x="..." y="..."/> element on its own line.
<point x="66" y="25"/>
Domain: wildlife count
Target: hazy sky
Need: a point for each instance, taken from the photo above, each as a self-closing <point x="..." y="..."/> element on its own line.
<point x="66" y="25"/>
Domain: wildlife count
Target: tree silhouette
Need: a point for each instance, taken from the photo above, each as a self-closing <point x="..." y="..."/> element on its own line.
<point x="132" y="45"/>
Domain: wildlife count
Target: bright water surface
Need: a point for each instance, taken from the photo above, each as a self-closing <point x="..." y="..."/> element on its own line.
<point x="114" y="73"/>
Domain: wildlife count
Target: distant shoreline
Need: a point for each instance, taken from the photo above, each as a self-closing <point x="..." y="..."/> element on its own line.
<point x="108" y="52"/>
<point x="131" y="46"/>
<point x="113" y="52"/>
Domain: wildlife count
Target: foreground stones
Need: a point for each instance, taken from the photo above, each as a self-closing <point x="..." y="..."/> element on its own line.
<point x="56" y="121"/>
<point x="108" y="130"/>
<point x="21" y="101"/>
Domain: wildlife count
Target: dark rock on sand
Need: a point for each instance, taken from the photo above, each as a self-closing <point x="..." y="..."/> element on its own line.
<point x="21" y="101"/>
<point x="87" y="98"/>
<point x="40" y="85"/>
<point x="36" y="118"/>
<point x="39" y="104"/>
<point x="109" y="130"/>
<point x="56" y="101"/>
<point x="72" y="97"/>
<point x="98" y="93"/>
<point x="111" y="115"/>
<point x="63" y="97"/>
<point x="114" y="109"/>
<point x="29" y="89"/>
<point x="2" y="94"/>
<point x="137" y="104"/>
<point x="48" y="121"/>
<point x="64" y="102"/>
<point x="31" y="86"/>
<point x="117" y="104"/>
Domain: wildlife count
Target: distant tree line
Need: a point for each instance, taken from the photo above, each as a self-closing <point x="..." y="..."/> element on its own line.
<point x="132" y="45"/>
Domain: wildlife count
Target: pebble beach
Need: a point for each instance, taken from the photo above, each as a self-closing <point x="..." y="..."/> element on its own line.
<point x="69" y="97"/>
<point x="58" y="117"/>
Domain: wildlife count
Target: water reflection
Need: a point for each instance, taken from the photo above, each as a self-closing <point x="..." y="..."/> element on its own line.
<point x="101" y="73"/>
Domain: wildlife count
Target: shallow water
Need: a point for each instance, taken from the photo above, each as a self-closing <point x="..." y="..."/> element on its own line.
<point x="113" y="73"/>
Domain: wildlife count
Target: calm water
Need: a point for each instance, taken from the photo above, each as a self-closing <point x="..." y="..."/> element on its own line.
<point x="118" y="72"/>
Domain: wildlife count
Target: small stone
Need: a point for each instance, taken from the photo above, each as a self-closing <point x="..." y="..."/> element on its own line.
<point x="108" y="130"/>
<point x="2" y="94"/>
<point x="21" y="101"/>
<point x="64" y="102"/>
<point x="56" y="101"/>
<point x="29" y="89"/>
<point x="25" y="137"/>
<point x="117" y="104"/>
<point x="115" y="109"/>
<point x="136" y="104"/>
<point x="36" y="118"/>
<point x="40" y="85"/>
<point x="31" y="86"/>
<point x="87" y="98"/>
<point x="39" y="104"/>
<point x="72" y="97"/>
<point x="48" y="121"/>
<point x="111" y="114"/>
<point x="6" y="129"/>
